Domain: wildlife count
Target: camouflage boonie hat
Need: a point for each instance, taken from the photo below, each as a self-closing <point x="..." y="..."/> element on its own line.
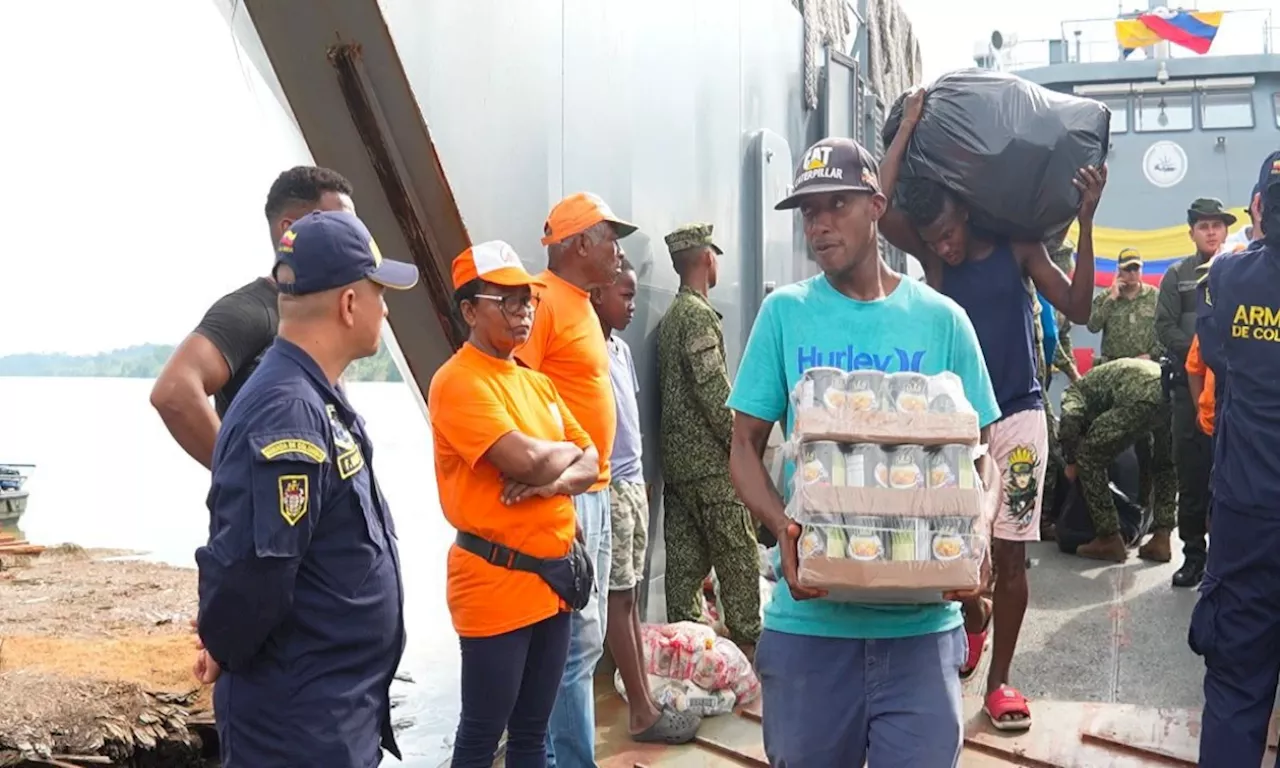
<point x="1209" y="208"/>
<point x="688" y="236"/>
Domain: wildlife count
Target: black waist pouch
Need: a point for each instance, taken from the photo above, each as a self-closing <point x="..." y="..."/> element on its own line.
<point x="571" y="577"/>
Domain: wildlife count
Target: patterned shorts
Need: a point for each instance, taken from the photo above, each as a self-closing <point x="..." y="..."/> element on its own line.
<point x="630" y="508"/>
<point x="1020" y="447"/>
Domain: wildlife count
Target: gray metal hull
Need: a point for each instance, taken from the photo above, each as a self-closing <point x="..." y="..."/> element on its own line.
<point x="12" y="505"/>
<point x="461" y="122"/>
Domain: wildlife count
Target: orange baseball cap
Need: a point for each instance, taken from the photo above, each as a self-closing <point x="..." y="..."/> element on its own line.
<point x="578" y="212"/>
<point x="494" y="262"/>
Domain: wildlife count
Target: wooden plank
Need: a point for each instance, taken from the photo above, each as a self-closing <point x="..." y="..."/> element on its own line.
<point x="21" y="549"/>
<point x="1171" y="735"/>
<point x="736" y="737"/>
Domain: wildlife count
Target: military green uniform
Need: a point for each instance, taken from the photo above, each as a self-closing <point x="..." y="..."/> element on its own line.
<point x="1175" y="327"/>
<point x="1127" y="324"/>
<point x="706" y="525"/>
<point x="1113" y="406"/>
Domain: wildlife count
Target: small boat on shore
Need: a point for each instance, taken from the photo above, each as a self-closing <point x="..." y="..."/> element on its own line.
<point x="13" y="498"/>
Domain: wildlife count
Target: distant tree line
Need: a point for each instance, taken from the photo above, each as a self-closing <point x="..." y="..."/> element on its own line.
<point x="144" y="361"/>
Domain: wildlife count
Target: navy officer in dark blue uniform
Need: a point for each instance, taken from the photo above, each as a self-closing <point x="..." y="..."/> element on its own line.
<point x="301" y="605"/>
<point x="1235" y="625"/>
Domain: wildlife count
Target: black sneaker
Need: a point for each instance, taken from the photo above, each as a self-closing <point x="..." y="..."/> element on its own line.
<point x="1190" y="573"/>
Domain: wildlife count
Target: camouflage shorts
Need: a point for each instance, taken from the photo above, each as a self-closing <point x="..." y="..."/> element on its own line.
<point x="630" y="508"/>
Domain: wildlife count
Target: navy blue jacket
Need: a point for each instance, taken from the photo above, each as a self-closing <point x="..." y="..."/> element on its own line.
<point x="1242" y="324"/>
<point x="301" y="601"/>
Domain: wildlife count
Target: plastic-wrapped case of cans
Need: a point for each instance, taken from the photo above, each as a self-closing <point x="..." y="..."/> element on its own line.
<point x="889" y="523"/>
<point x="885" y="485"/>
<point x="870" y="406"/>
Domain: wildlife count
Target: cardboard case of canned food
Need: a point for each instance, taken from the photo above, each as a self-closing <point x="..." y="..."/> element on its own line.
<point x="885" y="486"/>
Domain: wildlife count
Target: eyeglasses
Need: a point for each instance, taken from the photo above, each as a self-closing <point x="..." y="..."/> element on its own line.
<point x="513" y="304"/>
<point x="1131" y="268"/>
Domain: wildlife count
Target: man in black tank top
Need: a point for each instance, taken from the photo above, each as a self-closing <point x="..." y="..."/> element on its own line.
<point x="220" y="355"/>
<point x="932" y="224"/>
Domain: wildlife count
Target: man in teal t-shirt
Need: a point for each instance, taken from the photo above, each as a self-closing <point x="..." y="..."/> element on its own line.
<point x="848" y="683"/>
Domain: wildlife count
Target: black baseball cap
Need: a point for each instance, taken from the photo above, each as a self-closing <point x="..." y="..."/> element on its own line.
<point x="330" y="249"/>
<point x="1270" y="171"/>
<point x="1129" y="257"/>
<point x="833" y="165"/>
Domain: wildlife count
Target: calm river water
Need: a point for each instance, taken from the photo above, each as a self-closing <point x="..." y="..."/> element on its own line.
<point x="109" y="475"/>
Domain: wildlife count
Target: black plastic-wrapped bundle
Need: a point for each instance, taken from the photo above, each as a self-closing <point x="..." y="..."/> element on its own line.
<point x="1008" y="148"/>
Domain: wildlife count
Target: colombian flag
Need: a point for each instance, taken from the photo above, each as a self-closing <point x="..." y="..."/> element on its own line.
<point x="1160" y="248"/>
<point x="1193" y="30"/>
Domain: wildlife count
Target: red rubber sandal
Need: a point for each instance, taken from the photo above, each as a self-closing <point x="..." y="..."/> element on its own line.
<point x="977" y="643"/>
<point x="1005" y="701"/>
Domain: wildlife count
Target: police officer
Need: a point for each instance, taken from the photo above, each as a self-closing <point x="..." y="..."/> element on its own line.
<point x="1113" y="406"/>
<point x="1175" y="325"/>
<point x="1235" y="625"/>
<point x="301" y="608"/>
<point x="705" y="524"/>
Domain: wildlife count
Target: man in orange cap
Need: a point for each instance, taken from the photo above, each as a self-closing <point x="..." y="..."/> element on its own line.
<point x="581" y="234"/>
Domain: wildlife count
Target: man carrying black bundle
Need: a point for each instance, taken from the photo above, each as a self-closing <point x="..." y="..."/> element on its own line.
<point x="987" y="275"/>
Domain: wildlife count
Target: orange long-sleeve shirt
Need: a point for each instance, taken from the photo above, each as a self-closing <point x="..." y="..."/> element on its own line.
<point x="1205" y="405"/>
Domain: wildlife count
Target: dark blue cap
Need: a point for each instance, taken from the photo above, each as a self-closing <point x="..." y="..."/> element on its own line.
<point x="330" y="249"/>
<point x="1269" y="172"/>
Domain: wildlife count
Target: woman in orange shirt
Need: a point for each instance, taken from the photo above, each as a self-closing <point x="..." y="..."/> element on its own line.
<point x="508" y="456"/>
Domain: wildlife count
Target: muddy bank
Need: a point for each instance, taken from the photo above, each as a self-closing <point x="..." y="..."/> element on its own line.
<point x="95" y="659"/>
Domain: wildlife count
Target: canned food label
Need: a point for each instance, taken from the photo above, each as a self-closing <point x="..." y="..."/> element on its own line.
<point x="947" y="546"/>
<point x="812" y="543"/>
<point x="943" y="404"/>
<point x="866" y="539"/>
<point x="823" y="464"/>
<point x="906" y="470"/>
<point x="903" y="544"/>
<point x="864" y="390"/>
<point x="823" y="387"/>
<point x="837" y="542"/>
<point x="909" y="392"/>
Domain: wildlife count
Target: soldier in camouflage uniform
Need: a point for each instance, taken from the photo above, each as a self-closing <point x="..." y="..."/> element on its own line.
<point x="1113" y="406"/>
<point x="1125" y="315"/>
<point x="706" y="525"/>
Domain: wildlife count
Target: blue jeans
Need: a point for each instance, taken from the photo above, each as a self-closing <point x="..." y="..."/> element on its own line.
<point x="571" y="734"/>
<point x="888" y="703"/>
<point x="509" y="683"/>
<point x="1235" y="626"/>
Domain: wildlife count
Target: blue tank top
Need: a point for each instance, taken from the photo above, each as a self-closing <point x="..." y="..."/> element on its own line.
<point x="994" y="294"/>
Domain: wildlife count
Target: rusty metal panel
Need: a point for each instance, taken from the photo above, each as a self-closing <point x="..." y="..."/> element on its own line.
<point x="299" y="38"/>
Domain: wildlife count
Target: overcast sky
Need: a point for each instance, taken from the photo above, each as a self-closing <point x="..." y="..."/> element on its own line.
<point x="137" y="149"/>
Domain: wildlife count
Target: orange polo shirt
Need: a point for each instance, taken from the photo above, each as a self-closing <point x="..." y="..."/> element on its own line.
<point x="1196" y="367"/>
<point x="474" y="400"/>
<point x="568" y="346"/>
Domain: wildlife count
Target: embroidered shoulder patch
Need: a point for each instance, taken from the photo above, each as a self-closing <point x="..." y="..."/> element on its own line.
<point x="295" y="496"/>
<point x="294" y="445"/>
